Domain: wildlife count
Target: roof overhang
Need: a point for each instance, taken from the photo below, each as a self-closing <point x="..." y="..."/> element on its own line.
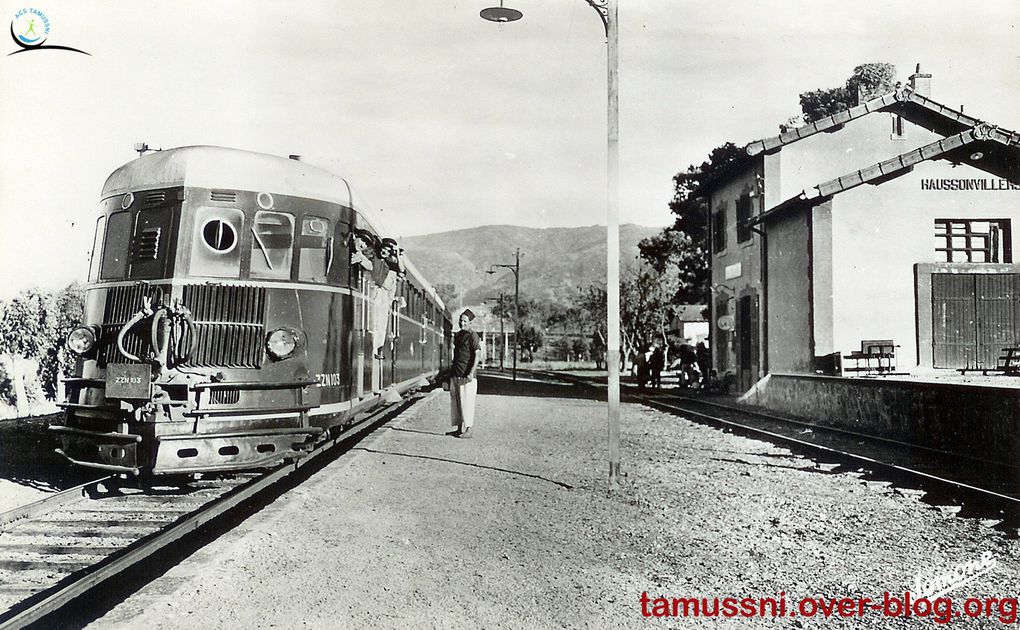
<point x="918" y="109"/>
<point x="984" y="147"/>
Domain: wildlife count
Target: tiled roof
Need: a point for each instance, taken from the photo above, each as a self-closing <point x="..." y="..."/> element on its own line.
<point x="982" y="133"/>
<point x="904" y="101"/>
<point x="823" y="124"/>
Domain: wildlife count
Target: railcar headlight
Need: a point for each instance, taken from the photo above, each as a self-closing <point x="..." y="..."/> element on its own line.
<point x="282" y="342"/>
<point x="81" y="339"/>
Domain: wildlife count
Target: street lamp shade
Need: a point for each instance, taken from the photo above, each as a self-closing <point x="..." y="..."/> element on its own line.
<point x="501" y="14"/>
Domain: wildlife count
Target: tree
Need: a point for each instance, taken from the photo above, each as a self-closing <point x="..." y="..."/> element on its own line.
<point x="681" y="263"/>
<point x="590" y="304"/>
<point x="867" y="80"/>
<point x="687" y="204"/>
<point x="647" y="306"/>
<point x="683" y="247"/>
<point x="26" y="332"/>
<point x="448" y="294"/>
<point x="530" y="339"/>
<point x="67" y="305"/>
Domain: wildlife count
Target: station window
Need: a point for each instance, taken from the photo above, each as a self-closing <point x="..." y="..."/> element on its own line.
<point x="316" y="249"/>
<point x="272" y="246"/>
<point x="973" y="240"/>
<point x="215" y="248"/>
<point x="118" y="244"/>
<point x="719" y="230"/>
<point x="743" y="216"/>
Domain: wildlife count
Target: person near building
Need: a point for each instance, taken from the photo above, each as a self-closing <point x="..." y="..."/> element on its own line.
<point x="656" y="363"/>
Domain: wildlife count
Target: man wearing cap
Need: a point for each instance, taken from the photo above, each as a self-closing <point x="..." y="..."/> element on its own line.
<point x="385" y="275"/>
<point x="463" y="386"/>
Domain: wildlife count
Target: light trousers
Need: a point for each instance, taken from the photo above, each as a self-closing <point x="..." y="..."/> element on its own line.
<point x="462" y="402"/>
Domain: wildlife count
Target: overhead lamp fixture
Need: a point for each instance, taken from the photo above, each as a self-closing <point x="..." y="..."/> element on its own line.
<point x="501" y="14"/>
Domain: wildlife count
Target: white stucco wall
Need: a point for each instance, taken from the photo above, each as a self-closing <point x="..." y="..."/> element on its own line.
<point x="879" y="233"/>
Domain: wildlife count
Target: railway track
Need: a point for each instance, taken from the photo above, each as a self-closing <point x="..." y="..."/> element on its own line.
<point x="958" y="485"/>
<point x="966" y="485"/>
<point x="66" y="545"/>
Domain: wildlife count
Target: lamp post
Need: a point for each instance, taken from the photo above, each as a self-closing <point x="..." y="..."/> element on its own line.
<point x="502" y="332"/>
<point x="608" y="13"/>
<point x="516" y="268"/>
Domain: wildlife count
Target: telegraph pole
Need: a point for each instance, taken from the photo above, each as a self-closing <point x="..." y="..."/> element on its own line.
<point x="516" y="268"/>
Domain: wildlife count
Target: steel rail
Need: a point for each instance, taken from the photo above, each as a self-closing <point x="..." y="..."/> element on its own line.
<point x="51" y="502"/>
<point x="839" y="430"/>
<point x="1013" y="500"/>
<point x="580" y="380"/>
<point x="129" y="557"/>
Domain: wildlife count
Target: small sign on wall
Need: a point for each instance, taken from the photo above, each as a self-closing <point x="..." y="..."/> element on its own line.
<point x="733" y="271"/>
<point x="725" y="322"/>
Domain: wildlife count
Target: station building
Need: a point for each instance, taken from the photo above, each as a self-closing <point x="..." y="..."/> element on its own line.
<point x="886" y="228"/>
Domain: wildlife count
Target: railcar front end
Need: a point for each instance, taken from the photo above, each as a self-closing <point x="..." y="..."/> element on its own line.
<point x="224" y="326"/>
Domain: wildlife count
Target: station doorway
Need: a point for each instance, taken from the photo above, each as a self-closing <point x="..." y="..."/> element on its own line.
<point x="747" y="341"/>
<point x="974" y="316"/>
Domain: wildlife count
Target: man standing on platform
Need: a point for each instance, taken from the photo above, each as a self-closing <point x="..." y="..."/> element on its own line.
<point x="463" y="386"/>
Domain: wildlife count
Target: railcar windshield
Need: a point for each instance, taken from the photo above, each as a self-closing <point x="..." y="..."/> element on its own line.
<point x="272" y="245"/>
<point x="118" y="244"/>
<point x="316" y="249"/>
<point x="97" y="249"/>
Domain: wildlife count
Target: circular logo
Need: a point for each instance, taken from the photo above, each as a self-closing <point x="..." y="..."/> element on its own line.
<point x="30" y="27"/>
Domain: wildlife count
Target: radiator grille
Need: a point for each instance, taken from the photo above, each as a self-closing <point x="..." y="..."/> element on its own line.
<point x="121" y="304"/>
<point x="229" y="325"/>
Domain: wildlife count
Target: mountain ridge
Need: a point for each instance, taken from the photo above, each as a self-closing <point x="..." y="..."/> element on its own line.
<point x="555" y="262"/>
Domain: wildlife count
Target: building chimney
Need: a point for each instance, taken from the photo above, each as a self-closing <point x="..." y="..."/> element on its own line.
<point x="920" y="83"/>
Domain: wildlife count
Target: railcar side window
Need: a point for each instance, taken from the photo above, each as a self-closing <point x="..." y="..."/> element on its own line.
<point x="215" y="246"/>
<point x="339" y="268"/>
<point x="97" y="250"/>
<point x="316" y="249"/>
<point x="118" y="242"/>
<point x="272" y="247"/>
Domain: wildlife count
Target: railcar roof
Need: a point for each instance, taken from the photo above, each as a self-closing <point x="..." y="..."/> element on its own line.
<point x="204" y="166"/>
<point x="225" y="168"/>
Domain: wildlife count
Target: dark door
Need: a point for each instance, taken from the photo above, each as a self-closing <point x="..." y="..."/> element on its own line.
<point x="996" y="314"/>
<point x="974" y="316"/>
<point x="747" y="341"/>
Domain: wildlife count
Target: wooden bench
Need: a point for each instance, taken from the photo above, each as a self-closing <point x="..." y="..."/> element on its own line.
<point x="1008" y="364"/>
<point x="878" y="356"/>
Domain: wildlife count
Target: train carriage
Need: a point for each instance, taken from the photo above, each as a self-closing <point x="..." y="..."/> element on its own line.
<point x="225" y="327"/>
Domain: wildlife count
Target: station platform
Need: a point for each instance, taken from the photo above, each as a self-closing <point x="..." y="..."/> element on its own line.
<point x="517" y="528"/>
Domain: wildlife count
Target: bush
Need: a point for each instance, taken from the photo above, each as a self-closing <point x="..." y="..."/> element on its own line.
<point x="33" y="325"/>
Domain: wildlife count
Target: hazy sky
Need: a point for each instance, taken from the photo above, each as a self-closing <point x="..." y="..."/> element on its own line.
<point x="443" y="120"/>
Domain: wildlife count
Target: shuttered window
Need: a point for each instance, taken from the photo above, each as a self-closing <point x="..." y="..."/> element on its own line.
<point x="719" y="231"/>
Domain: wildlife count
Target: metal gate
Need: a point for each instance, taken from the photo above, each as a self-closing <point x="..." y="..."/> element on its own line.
<point x="974" y="316"/>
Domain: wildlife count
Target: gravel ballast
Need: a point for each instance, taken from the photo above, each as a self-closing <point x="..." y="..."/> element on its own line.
<point x="516" y="529"/>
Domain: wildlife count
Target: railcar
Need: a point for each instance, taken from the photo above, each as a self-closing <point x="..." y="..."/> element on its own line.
<point x="225" y="327"/>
